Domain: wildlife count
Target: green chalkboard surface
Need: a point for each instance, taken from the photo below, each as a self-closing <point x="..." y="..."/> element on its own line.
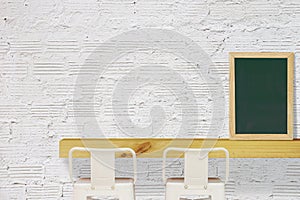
<point x="261" y="95"/>
<point x="261" y="87"/>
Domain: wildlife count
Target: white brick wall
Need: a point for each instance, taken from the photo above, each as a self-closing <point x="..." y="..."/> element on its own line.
<point x="43" y="45"/>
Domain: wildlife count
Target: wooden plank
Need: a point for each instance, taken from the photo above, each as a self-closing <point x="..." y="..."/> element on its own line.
<point x="153" y="147"/>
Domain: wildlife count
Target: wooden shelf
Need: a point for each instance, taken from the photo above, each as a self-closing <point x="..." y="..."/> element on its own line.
<point x="153" y="147"/>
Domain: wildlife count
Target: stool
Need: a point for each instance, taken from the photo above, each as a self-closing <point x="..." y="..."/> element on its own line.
<point x="195" y="180"/>
<point x="103" y="181"/>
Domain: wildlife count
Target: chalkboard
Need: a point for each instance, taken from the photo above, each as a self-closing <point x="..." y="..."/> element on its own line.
<point x="261" y="87"/>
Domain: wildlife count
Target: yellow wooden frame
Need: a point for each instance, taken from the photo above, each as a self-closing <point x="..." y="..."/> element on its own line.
<point x="154" y="147"/>
<point x="290" y="96"/>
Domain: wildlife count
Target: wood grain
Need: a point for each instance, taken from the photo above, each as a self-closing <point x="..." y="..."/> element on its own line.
<point x="153" y="147"/>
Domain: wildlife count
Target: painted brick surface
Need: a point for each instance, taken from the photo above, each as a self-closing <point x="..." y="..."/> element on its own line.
<point x="43" y="45"/>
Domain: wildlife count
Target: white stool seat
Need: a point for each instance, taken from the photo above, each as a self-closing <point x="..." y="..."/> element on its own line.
<point x="103" y="183"/>
<point x="176" y="188"/>
<point x="195" y="180"/>
<point x="122" y="190"/>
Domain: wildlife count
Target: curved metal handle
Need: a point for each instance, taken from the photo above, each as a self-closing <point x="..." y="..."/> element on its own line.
<point x="102" y="150"/>
<point x="207" y="150"/>
<point x="226" y="162"/>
